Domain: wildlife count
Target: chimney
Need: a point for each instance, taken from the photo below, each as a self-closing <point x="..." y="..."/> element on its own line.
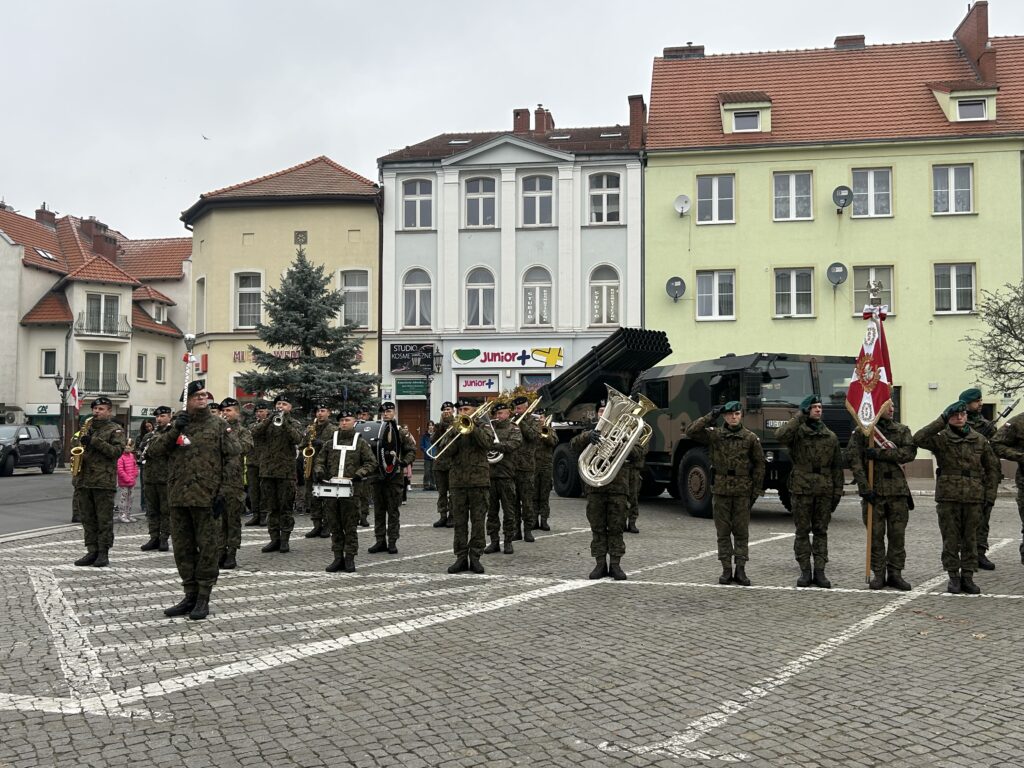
<point x="520" y="121"/>
<point x="688" y="51"/>
<point x="46" y="217"/>
<point x="105" y="245"/>
<point x="849" y="42"/>
<point x="637" y="121"/>
<point x="542" y="120"/>
<point x="972" y="37"/>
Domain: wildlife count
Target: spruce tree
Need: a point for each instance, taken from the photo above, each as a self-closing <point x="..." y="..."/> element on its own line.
<point x="316" y="358"/>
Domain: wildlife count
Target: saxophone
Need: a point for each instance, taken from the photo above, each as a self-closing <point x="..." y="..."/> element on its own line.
<point x="79" y="450"/>
<point x="308" y="452"/>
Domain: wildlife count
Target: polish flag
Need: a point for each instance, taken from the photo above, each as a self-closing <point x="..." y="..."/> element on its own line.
<point x="870" y="388"/>
<point x="75" y="397"/>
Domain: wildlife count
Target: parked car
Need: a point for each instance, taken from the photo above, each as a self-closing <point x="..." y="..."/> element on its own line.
<point x="24" y="445"/>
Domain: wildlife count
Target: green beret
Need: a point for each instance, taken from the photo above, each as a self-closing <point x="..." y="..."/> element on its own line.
<point x="958" y="407"/>
<point x="970" y="395"/>
<point x="732" y="406"/>
<point x="807" y="402"/>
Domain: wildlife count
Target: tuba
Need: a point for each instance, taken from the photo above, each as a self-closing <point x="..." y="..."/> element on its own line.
<point x="621" y="426"/>
<point x="78" y="451"/>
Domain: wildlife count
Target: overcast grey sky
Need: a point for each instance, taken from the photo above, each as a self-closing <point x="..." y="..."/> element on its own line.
<point x="106" y="103"/>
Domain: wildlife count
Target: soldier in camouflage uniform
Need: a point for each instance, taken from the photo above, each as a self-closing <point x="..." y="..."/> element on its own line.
<point x="815" y="486"/>
<point x="967" y="476"/>
<point x="321" y="430"/>
<point x="636" y="472"/>
<point x="199" y="447"/>
<point x="888" y="495"/>
<point x="503" y="480"/>
<point x="234" y="483"/>
<point x="987" y="429"/>
<point x="442" y="465"/>
<point x="1008" y="444"/>
<point x="363" y="491"/>
<point x="277" y="473"/>
<point x="103" y="440"/>
<point x="526" y="513"/>
<point x="469" y="484"/>
<point x="387" y="488"/>
<point x="342" y="513"/>
<point x="253" y="460"/>
<point x="737" y="467"/>
<point x="542" y="458"/>
<point x="158" y="508"/>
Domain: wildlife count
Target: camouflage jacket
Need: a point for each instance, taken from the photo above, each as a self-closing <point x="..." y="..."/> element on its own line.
<point x="1008" y="444"/>
<point x="444" y="463"/>
<point x="543" y="451"/>
<point x="817" y="458"/>
<point x="981" y="425"/>
<point x="254" y="458"/>
<point x="234" y="472"/>
<point x="510" y="442"/>
<point x="99" y="462"/>
<point x="888" y="478"/>
<point x="737" y="459"/>
<point x="360" y="463"/>
<point x="529" y="428"/>
<point x="469" y="467"/>
<point x="620" y="483"/>
<point x="198" y="459"/>
<point x="968" y="470"/>
<point x="156" y="466"/>
<point x="277" y="451"/>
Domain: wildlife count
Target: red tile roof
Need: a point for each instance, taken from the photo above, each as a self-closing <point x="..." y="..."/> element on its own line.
<point x="875" y="93"/>
<point x="317" y="179"/>
<point x="141" y="321"/>
<point x="52" y="309"/>
<point x="100" y="270"/>
<point x="149" y="293"/>
<point x="33" y="235"/>
<point x="155" y="259"/>
<point x="578" y="141"/>
<point x="740" y="97"/>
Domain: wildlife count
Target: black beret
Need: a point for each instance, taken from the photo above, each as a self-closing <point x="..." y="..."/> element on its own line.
<point x="501" y="406"/>
<point x="520" y="400"/>
<point x="447" y="404"/>
<point x="345" y="414"/>
<point x="387" y="405"/>
<point x="282" y="398"/>
<point x="229" y="402"/>
<point x="161" y="410"/>
<point x="262" y="404"/>
<point x="321" y="404"/>
<point x="101" y="400"/>
<point x="467" y="402"/>
<point x="213" y="405"/>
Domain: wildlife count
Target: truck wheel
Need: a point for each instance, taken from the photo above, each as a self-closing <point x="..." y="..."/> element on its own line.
<point x="7" y="468"/>
<point x="49" y="463"/>
<point x="565" y="474"/>
<point x="695" y="482"/>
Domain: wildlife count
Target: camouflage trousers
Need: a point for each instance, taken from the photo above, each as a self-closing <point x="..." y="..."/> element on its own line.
<point x="387" y="501"/>
<point x="542" y="496"/>
<point x="811" y="516"/>
<point x="469" y="509"/>
<point x="231" y="520"/>
<point x="503" y="494"/>
<point x="277" y="495"/>
<point x="96" y="507"/>
<point x="362" y="493"/>
<point x="253" y="476"/>
<point x="889" y="522"/>
<point x="158" y="510"/>
<point x="983" y="526"/>
<point x="76" y="506"/>
<point x="732" y="524"/>
<point x="958" y="524"/>
<point x="197" y="547"/>
<point x="342" y="515"/>
<point x="314" y="505"/>
<point x="1020" y="513"/>
<point x="633" y="499"/>
<point x="526" y="513"/>
<point x="443" y="492"/>
<point x="606" y="513"/>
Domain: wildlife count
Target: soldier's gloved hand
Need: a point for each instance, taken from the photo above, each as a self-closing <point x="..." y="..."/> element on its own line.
<point x="869" y="496"/>
<point x="717" y="411"/>
<point x="595" y="437"/>
<point x="218" y="506"/>
<point x="871" y="453"/>
<point x="181" y="421"/>
<point x="317" y="444"/>
<point x="84" y="440"/>
<point x="318" y="475"/>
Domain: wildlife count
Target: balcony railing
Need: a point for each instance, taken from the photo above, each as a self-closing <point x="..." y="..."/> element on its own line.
<point x="104" y="383"/>
<point x="116" y="326"/>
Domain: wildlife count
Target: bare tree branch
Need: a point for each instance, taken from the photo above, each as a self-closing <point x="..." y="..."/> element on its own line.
<point x="996" y="350"/>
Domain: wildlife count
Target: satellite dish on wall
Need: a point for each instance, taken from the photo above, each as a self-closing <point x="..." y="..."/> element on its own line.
<point x="675" y="287"/>
<point x="682" y="205"/>
<point x="842" y="196"/>
<point x="836" y="273"/>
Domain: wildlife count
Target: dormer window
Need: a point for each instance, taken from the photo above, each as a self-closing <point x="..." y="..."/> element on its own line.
<point x="971" y="109"/>
<point x="745" y="112"/>
<point x="746" y="121"/>
<point x="159" y="312"/>
<point x="966" y="101"/>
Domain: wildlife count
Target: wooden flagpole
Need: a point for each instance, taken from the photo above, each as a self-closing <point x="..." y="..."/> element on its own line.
<point x="870" y="508"/>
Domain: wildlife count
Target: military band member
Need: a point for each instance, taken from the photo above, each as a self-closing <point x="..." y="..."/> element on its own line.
<point x="737" y="467"/>
<point x="1008" y="444"/>
<point x="279" y="434"/>
<point x="524" y="463"/>
<point x="888" y="495"/>
<point x="636" y="473"/>
<point x="322" y="429"/>
<point x="158" y="508"/>
<point x="342" y="514"/>
<point x="503" y="480"/>
<point x="442" y="465"/>
<point x="972" y="398"/>
<point x="233" y="490"/>
<point x="542" y="458"/>
<point x="967" y="476"/>
<point x="815" y="486"/>
<point x="469" y="486"/>
<point x="103" y="440"/>
<point x="253" y="460"/>
<point x="363" y="491"/>
<point x="387" y="487"/>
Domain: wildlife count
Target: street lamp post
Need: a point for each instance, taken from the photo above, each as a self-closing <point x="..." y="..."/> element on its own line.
<point x="64" y="384"/>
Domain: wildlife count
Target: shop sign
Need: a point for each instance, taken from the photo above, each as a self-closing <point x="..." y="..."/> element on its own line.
<point x="412" y="358"/>
<point x="473" y="383"/>
<point x="508" y="356"/>
<point x="410" y="387"/>
<point x="44" y="409"/>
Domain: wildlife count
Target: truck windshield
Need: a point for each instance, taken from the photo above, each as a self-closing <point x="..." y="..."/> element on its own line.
<point x="833" y="378"/>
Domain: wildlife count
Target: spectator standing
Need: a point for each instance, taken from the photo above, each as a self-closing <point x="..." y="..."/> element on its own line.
<point x="426" y="441"/>
<point x="127" y="474"/>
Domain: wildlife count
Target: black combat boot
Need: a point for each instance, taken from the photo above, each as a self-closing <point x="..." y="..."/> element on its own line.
<point x="967" y="583"/>
<point x="820" y="580"/>
<point x="508" y="547"/>
<point x="88" y="559"/>
<point x="615" y="570"/>
<point x="517" y="534"/>
<point x="460" y="565"/>
<point x="336" y="564"/>
<point x="896" y="580"/>
<point x="983" y="562"/>
<point x="315" y="533"/>
<point x="953" y="585"/>
<point x="528" y="535"/>
<point x="631" y="527"/>
<point x="877" y="580"/>
<point x="544" y="524"/>
<point x="255" y="520"/>
<point x="449" y="522"/>
<point x="201" y="609"/>
<point x="101" y="561"/>
<point x="75" y="518"/>
<point x="379" y="546"/>
<point x="475" y="565"/>
<point x="285" y="546"/>
<point x="364" y="521"/>
<point x="185" y="606"/>
<point x="350" y="563"/>
<point x="494" y="546"/>
<point x="441" y="522"/>
<point x="273" y="546"/>
<point x="154" y="542"/>
<point x="726" y="577"/>
<point x="600" y="570"/>
<point x="741" y="575"/>
<point x="325" y="531"/>
<point x="230" y="563"/>
<point x="536" y="525"/>
<point x="805" y="576"/>
<point x="220" y="560"/>
<point x="392" y="547"/>
<point x="162" y="546"/>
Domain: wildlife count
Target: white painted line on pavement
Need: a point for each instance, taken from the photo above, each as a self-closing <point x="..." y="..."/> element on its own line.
<point x="807" y="590"/>
<point x="35" y="533"/>
<point x="708" y="553"/>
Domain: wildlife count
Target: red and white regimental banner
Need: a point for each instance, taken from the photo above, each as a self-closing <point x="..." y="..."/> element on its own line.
<point x="871" y="386"/>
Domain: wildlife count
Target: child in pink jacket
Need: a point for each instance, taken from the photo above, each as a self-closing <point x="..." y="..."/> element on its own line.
<point x="127" y="473"/>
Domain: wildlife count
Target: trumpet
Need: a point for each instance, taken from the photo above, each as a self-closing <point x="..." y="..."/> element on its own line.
<point x="78" y="451"/>
<point x="461" y="426"/>
<point x="308" y="451"/>
<point x="278" y="420"/>
<point x="545" y="427"/>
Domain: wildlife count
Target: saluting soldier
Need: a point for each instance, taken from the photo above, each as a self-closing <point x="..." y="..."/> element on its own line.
<point x="199" y="447"/>
<point x="253" y="460"/>
<point x="737" y="466"/>
<point x="526" y="513"/>
<point x="158" y="508"/>
<point x="1008" y="444"/>
<point x="503" y="480"/>
<point x="976" y="421"/>
<point x="967" y="476"/>
<point x="470" y="484"/>
<point x="322" y="430"/>
<point x="103" y="440"/>
<point x="815" y="485"/>
<point x="542" y="457"/>
<point x="363" y="491"/>
<point x="888" y="495"/>
<point x="342" y="513"/>
<point x="387" y="486"/>
<point x="280" y="434"/>
<point x="442" y="465"/>
<point x="234" y="483"/>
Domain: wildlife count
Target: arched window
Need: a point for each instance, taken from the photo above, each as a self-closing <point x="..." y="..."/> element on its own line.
<point x="480" y="202"/>
<point x="416" y="290"/>
<point x="480" y="299"/>
<point x="604" y="198"/>
<point x="537" y="297"/>
<point x="417" y="204"/>
<point x="604" y="296"/>
<point x="538" y="199"/>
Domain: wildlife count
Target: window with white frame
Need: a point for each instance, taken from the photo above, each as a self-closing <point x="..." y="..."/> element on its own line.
<point x="416" y="291"/>
<point x="140" y="367"/>
<point x="716" y="295"/>
<point x="538" y="201"/>
<point x="201" y="305"/>
<point x="100" y="372"/>
<point x="537" y="297"/>
<point x="952" y="188"/>
<point x="792" y="193"/>
<point x="746" y="121"/>
<point x="794" y="292"/>
<point x="715" y="199"/>
<point x="417" y="204"/>
<point x="355" y="289"/>
<point x="862" y="297"/>
<point x="160" y="372"/>
<point x="480" y="299"/>
<point x="48" y="363"/>
<point x="248" y="299"/>
<point x="604" y="198"/>
<point x="159" y="312"/>
<point x="604" y="296"/>
<point x="102" y="312"/>
<point x="480" y="202"/>
<point x="954" y="288"/>
<point x="872" y="192"/>
<point x="971" y="109"/>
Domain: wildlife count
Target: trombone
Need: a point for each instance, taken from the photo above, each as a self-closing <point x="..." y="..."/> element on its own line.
<point x="462" y="425"/>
